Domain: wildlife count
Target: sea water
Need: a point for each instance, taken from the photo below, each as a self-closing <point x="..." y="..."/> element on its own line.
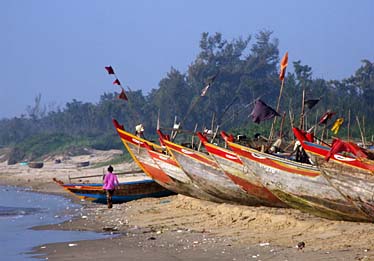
<point x="21" y="209"/>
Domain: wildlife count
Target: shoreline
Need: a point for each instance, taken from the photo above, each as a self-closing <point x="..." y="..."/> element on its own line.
<point x="182" y="228"/>
<point x="158" y="239"/>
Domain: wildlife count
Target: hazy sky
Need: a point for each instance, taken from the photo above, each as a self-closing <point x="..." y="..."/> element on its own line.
<point x="59" y="48"/>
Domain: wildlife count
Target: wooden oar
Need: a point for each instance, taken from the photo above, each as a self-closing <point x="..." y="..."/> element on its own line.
<point x="119" y="173"/>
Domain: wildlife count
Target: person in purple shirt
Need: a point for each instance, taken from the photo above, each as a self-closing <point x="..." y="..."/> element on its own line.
<point x="110" y="184"/>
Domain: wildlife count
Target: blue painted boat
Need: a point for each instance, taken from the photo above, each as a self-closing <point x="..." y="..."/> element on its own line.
<point x="127" y="191"/>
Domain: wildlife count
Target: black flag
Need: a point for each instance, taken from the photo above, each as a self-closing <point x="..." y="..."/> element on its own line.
<point x="311" y="103"/>
<point x="262" y="112"/>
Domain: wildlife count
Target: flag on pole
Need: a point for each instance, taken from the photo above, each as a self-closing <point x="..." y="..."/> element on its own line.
<point x="122" y="95"/>
<point x="203" y="92"/>
<point x="311" y="103"/>
<point x="117" y="82"/>
<point x="325" y="117"/>
<point x="337" y="124"/>
<point x="283" y="66"/>
<point x="109" y="69"/>
<point x="262" y="112"/>
<point x="205" y="89"/>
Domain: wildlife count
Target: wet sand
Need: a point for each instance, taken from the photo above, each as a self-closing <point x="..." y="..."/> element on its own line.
<point x="183" y="228"/>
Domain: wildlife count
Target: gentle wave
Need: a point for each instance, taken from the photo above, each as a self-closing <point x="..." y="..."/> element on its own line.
<point x="18" y="211"/>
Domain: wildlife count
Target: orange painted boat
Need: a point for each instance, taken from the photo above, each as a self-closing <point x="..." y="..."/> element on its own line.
<point x="300" y="185"/>
<point x="138" y="149"/>
<point x="205" y="172"/>
<point x="347" y="167"/>
<point x="234" y="168"/>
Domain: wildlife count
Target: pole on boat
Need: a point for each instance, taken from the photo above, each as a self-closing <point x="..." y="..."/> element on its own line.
<point x="277" y="108"/>
<point x="301" y="126"/>
<point x="323" y="133"/>
<point x="316" y="124"/>
<point x="362" y="134"/>
<point x="193" y="136"/>
<point x="363" y="129"/>
<point x="283" y="66"/>
<point x="118" y="173"/>
<point x="215" y="134"/>
<point x="281" y="125"/>
<point x="349" y="124"/>
<point x="158" y="120"/>
<point x="210" y="81"/>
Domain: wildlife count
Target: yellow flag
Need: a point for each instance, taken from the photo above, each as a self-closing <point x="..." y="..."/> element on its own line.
<point x="337" y="124"/>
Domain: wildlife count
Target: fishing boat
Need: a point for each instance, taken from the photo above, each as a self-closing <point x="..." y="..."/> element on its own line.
<point x="348" y="169"/>
<point x="174" y="171"/>
<point x="234" y="168"/>
<point x="206" y="173"/>
<point x="318" y="153"/>
<point x="138" y="149"/>
<point x="127" y="191"/>
<point x="299" y="185"/>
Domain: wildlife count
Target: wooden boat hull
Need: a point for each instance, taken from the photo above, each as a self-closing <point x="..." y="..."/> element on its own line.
<point x="353" y="177"/>
<point x="356" y="184"/>
<point x="208" y="176"/>
<point x="127" y="191"/>
<point x="299" y="185"/>
<point x="234" y="169"/>
<point x="174" y="171"/>
<point x="138" y="149"/>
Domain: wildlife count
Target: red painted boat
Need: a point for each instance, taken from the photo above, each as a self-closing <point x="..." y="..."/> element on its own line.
<point x="174" y="171"/>
<point x="138" y="149"/>
<point x="347" y="167"/>
<point x="318" y="153"/>
<point x="300" y="185"/>
<point x="205" y="172"/>
<point x="234" y="168"/>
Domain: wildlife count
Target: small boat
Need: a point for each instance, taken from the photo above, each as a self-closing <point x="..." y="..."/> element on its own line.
<point x="36" y="165"/>
<point x="127" y="191"/>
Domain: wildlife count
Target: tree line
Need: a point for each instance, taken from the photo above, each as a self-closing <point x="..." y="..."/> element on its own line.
<point x="244" y="69"/>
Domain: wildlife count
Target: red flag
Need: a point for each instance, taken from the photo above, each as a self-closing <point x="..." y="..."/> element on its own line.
<point x="325" y="117"/>
<point x="122" y="95"/>
<point x="109" y="69"/>
<point x="117" y="82"/>
<point x="283" y="66"/>
<point x="339" y="146"/>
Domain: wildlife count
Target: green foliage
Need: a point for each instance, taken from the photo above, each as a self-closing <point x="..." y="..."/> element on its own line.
<point x="126" y="157"/>
<point x="245" y="69"/>
<point x="37" y="146"/>
<point x="107" y="141"/>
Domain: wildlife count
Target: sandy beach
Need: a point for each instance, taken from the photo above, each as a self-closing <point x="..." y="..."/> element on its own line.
<point x="182" y="228"/>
